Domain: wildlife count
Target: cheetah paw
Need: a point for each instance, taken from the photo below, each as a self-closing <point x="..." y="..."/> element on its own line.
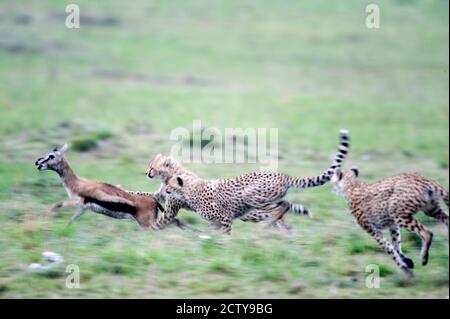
<point x="409" y="263"/>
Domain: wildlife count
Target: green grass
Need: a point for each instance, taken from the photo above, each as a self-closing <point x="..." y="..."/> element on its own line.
<point x="118" y="86"/>
<point x="89" y="141"/>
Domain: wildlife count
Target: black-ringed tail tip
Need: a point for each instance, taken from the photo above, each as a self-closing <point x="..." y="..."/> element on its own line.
<point x="308" y="213"/>
<point x="300" y="210"/>
<point x="345" y="137"/>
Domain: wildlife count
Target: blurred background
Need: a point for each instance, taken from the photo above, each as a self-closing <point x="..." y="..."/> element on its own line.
<point x="116" y="87"/>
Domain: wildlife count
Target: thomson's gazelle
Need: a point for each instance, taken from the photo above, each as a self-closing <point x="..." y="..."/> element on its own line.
<point x="100" y="197"/>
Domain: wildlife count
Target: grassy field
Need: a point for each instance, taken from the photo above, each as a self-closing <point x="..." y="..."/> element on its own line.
<point x="116" y="87"/>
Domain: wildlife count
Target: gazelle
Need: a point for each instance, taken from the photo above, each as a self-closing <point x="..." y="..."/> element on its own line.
<point x="100" y="197"/>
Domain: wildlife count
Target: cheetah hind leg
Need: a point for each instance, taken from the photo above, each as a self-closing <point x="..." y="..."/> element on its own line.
<point x="435" y="210"/>
<point x="259" y="215"/>
<point x="278" y="213"/>
<point x="283" y="224"/>
<point x="281" y="208"/>
<point x="256" y="215"/>
<point x="413" y="225"/>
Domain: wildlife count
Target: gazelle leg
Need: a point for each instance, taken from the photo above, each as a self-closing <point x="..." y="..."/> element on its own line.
<point x="77" y="215"/>
<point x="66" y="204"/>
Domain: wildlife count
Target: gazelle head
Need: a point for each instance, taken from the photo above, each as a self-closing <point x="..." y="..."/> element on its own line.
<point x="51" y="160"/>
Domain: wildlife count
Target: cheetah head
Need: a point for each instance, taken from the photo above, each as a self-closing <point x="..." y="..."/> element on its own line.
<point x="175" y="187"/>
<point x="162" y="168"/>
<point x="342" y="181"/>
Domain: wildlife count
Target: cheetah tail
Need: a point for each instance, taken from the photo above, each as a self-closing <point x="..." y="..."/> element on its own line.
<point x="321" y="179"/>
<point x="299" y="210"/>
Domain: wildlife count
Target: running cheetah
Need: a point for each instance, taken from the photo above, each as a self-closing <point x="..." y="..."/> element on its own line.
<point x="392" y="203"/>
<point x="164" y="167"/>
<point x="258" y="194"/>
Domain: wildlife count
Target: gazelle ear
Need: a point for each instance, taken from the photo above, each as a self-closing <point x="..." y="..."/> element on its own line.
<point x="64" y="149"/>
<point x="355" y="171"/>
<point x="180" y="181"/>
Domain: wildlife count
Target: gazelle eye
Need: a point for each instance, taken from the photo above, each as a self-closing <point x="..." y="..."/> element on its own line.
<point x="51" y="156"/>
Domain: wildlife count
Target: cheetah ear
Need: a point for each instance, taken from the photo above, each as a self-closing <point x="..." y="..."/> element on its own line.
<point x="168" y="162"/>
<point x="180" y="181"/>
<point x="355" y="171"/>
<point x="339" y="174"/>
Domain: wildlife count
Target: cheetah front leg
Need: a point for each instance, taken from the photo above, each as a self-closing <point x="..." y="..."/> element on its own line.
<point x="167" y="217"/>
<point x="388" y="247"/>
<point x="225" y="224"/>
<point x="397" y="242"/>
<point x="217" y="215"/>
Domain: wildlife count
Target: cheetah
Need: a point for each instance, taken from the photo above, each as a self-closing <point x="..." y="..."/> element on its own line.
<point x="255" y="194"/>
<point x="165" y="167"/>
<point x="392" y="203"/>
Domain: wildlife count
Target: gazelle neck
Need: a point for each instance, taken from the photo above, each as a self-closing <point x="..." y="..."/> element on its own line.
<point x="66" y="173"/>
